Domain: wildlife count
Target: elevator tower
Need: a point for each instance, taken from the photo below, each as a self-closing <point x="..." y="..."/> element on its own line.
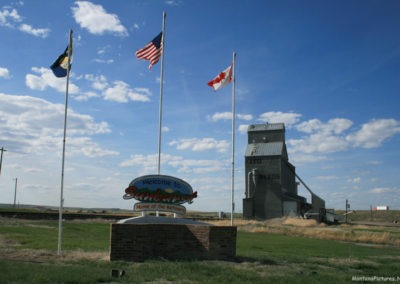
<point x="271" y="187"/>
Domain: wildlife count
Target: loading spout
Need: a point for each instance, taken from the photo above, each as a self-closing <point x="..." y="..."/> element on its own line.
<point x="315" y="198"/>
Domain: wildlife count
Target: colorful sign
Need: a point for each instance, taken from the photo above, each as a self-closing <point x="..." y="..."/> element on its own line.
<point x="160" y="189"/>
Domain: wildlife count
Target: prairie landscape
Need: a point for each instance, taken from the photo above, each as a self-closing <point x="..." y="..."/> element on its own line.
<point x="284" y="250"/>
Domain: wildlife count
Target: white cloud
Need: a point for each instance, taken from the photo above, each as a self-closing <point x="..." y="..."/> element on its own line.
<point x="4" y="73"/>
<point x="246" y="117"/>
<point x="374" y="133"/>
<point x="322" y="142"/>
<point x="46" y="78"/>
<point x="103" y="61"/>
<point x="102" y="52"/>
<point x="148" y="164"/>
<point x="43" y="33"/>
<point x="289" y="118"/>
<point x="323" y="138"/>
<point x="117" y="91"/>
<point x="35" y="125"/>
<point x="333" y="135"/>
<point x="379" y="190"/>
<point x="228" y="116"/>
<point x="8" y="17"/>
<point x="11" y="19"/>
<point x="122" y="93"/>
<point x="86" y="146"/>
<point x="301" y="158"/>
<point x="98" y="82"/>
<point x="204" y="144"/>
<point x="243" y="128"/>
<point x="221" y="116"/>
<point x="173" y="2"/>
<point x="83" y="97"/>
<point x="96" y="20"/>
<point x="326" y="178"/>
<point x="336" y="125"/>
<point x="354" y="180"/>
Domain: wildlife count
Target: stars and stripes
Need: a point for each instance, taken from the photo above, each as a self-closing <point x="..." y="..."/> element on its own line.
<point x="223" y="78"/>
<point x="152" y="51"/>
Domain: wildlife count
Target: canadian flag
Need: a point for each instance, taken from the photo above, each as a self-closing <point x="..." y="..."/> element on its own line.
<point x="223" y="78"/>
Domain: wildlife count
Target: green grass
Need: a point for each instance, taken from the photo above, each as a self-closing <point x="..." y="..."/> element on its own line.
<point x="44" y="235"/>
<point x="261" y="258"/>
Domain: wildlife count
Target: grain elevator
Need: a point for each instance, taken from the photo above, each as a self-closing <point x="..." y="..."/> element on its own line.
<point x="271" y="186"/>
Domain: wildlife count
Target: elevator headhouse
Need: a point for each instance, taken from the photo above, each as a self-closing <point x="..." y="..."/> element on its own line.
<point x="271" y="186"/>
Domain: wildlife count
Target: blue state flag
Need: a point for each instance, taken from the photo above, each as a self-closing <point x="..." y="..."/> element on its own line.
<point x="60" y="66"/>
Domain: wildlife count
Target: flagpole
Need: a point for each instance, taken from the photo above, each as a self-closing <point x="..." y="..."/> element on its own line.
<point x="161" y="92"/>
<point x="233" y="136"/>
<point x="63" y="150"/>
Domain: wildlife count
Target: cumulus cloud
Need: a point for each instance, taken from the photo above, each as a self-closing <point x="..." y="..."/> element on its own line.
<point x="148" y="164"/>
<point x="288" y="118"/>
<point x="228" y="116"/>
<point x="4" y="73"/>
<point x="96" y="20"/>
<point x="246" y="117"/>
<point x="43" y="33"/>
<point x="336" y="125"/>
<point x="44" y="78"/>
<point x="117" y="91"/>
<point x="336" y="135"/>
<point x="373" y="133"/>
<point x="33" y="124"/>
<point x="122" y="93"/>
<point x="196" y="144"/>
<point x="220" y="116"/>
<point x="98" y="82"/>
<point x="10" y="18"/>
<point x="243" y="128"/>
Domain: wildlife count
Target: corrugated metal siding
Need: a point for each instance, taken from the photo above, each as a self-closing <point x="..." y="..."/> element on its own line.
<point x="264" y="149"/>
<point x="266" y="126"/>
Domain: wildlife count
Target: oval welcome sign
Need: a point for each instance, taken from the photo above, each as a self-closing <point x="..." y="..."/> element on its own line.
<point x="160" y="189"/>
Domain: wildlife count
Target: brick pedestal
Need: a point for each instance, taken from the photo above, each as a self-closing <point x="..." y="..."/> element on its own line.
<point x="138" y="242"/>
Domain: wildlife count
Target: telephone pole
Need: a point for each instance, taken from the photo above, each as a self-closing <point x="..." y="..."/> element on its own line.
<point x="15" y="192"/>
<point x="1" y="156"/>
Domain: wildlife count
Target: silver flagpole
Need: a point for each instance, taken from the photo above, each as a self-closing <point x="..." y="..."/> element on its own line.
<point x="233" y="137"/>
<point x="63" y="151"/>
<point x="161" y="92"/>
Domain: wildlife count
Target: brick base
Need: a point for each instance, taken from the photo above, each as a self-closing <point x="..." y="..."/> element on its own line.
<point x="138" y="242"/>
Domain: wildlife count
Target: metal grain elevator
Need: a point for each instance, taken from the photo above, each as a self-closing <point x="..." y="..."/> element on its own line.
<point x="271" y="187"/>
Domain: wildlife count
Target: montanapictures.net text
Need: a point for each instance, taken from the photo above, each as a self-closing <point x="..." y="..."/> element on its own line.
<point x="376" y="278"/>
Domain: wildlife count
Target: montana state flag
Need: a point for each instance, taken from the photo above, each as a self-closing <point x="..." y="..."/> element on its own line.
<point x="60" y="66"/>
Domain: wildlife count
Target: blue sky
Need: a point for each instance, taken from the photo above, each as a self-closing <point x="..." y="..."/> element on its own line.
<point x="330" y="70"/>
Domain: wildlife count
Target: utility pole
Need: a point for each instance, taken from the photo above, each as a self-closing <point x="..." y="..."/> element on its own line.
<point x="370" y="209"/>
<point x="347" y="207"/>
<point x="15" y="191"/>
<point x="1" y="156"/>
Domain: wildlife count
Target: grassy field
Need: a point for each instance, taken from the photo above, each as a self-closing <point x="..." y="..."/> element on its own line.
<point x="266" y="252"/>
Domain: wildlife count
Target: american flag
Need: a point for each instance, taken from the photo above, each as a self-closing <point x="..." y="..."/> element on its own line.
<point x="152" y="51"/>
